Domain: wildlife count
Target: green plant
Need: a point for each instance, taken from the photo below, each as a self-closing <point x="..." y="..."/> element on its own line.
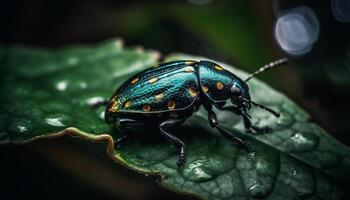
<point x="46" y="94"/>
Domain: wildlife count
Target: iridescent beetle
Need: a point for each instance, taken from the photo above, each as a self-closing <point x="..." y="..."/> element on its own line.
<point x="169" y="93"/>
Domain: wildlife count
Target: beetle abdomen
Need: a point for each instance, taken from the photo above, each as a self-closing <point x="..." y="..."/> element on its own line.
<point x="168" y="87"/>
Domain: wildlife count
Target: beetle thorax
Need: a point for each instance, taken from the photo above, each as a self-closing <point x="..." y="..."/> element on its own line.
<point x="215" y="81"/>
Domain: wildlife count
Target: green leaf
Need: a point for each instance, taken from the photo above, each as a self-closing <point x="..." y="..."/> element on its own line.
<point x="47" y="91"/>
<point x="47" y="94"/>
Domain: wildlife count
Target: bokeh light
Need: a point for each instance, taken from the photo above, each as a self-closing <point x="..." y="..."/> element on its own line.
<point x="341" y="10"/>
<point x="297" y="30"/>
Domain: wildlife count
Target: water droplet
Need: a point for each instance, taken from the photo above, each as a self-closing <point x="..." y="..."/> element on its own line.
<point x="20" y="126"/>
<point x="299" y="138"/>
<point x="195" y="172"/>
<point x="83" y="85"/>
<point x="300" y="142"/>
<point x="293" y="172"/>
<point x="54" y="121"/>
<point x="94" y="100"/>
<point x="279" y="121"/>
<point x="254" y="187"/>
<point x="251" y="156"/>
<point x="102" y="115"/>
<point x="198" y="171"/>
<point x="257" y="190"/>
<point x="22" y="129"/>
<point x="62" y="86"/>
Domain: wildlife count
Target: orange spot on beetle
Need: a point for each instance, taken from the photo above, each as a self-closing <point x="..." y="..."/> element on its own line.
<point x="219" y="68"/>
<point x="127" y="104"/>
<point x="219" y="85"/>
<point x="189" y="69"/>
<point x="171" y="105"/>
<point x="159" y="97"/>
<point x="153" y="80"/>
<point x="205" y="89"/>
<point x="192" y="92"/>
<point x="189" y="62"/>
<point x="113" y="107"/>
<point x="146" y="108"/>
<point x="134" y="81"/>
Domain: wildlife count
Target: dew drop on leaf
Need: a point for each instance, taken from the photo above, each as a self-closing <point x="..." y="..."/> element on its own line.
<point x="62" y="86"/>
<point x="21" y="126"/>
<point x="194" y="171"/>
<point x="83" y="85"/>
<point x="54" y="121"/>
<point x="94" y="100"/>
<point x="293" y="172"/>
<point x="22" y="129"/>
<point x="300" y="142"/>
<point x="102" y="115"/>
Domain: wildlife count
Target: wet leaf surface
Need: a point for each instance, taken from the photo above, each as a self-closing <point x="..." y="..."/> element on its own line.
<point x="46" y="92"/>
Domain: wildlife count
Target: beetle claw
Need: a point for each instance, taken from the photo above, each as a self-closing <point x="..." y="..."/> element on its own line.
<point x="181" y="162"/>
<point x="246" y="147"/>
<point x="258" y="130"/>
<point x="262" y="130"/>
<point x="120" y="141"/>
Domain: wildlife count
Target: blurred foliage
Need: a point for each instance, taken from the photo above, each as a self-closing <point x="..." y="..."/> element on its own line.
<point x="232" y="29"/>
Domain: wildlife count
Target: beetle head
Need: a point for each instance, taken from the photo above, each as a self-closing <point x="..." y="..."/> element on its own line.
<point x="241" y="98"/>
<point x="240" y="94"/>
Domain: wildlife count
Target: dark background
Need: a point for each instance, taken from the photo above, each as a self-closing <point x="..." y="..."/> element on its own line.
<point x="238" y="32"/>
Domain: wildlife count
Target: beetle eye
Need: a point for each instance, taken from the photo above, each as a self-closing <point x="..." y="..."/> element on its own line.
<point x="235" y="90"/>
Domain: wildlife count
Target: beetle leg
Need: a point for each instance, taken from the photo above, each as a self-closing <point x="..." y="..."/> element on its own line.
<point x="173" y="139"/>
<point x="121" y="140"/>
<point x="122" y="126"/>
<point x="235" y="139"/>
<point x="246" y="120"/>
<point x="249" y="126"/>
<point x="214" y="123"/>
<point x="212" y="119"/>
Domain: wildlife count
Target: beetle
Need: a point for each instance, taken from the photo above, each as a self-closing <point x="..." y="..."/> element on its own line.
<point x="167" y="94"/>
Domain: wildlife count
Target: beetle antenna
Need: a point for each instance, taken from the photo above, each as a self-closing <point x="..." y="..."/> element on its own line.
<point x="266" y="67"/>
<point x="277" y="114"/>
